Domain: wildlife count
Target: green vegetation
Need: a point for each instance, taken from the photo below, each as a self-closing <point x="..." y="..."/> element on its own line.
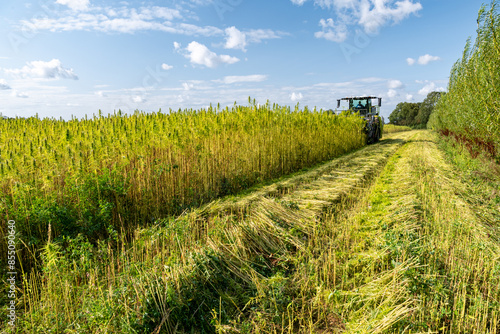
<point x="401" y="236"/>
<point x="415" y="115"/>
<point x="391" y="128"/>
<point x="404" y="113"/>
<point x="470" y="110"/>
<point x="438" y="244"/>
<point x="96" y="177"/>
<point x="229" y="260"/>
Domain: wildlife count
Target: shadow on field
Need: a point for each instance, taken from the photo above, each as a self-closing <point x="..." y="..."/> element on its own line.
<point x="390" y="141"/>
<point x="421" y="141"/>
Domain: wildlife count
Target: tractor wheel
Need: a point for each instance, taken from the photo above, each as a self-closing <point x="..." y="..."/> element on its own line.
<point x="376" y="134"/>
<point x="369" y="134"/>
<point x="372" y="133"/>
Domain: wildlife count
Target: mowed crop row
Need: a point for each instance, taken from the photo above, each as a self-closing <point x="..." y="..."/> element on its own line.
<point x="106" y="174"/>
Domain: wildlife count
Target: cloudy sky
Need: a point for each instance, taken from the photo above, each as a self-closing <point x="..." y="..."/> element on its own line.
<point x="73" y="57"/>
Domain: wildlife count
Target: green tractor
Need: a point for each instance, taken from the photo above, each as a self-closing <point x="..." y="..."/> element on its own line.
<point x="364" y="107"/>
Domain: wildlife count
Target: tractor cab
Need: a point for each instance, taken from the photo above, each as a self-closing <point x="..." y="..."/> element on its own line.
<point x="363" y="105"/>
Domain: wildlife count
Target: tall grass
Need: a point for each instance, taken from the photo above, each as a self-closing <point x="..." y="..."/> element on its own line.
<point x="110" y="174"/>
<point x="471" y="109"/>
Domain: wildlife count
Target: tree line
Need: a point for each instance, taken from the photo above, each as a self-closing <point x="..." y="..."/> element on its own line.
<point x="415" y="114"/>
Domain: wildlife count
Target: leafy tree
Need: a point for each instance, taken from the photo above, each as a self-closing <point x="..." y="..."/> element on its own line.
<point x="405" y="113"/>
<point x="415" y="114"/>
<point x="427" y="107"/>
<point x="395" y="117"/>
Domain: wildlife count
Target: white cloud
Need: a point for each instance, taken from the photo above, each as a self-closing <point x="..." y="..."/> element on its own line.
<point x="100" y="93"/>
<point x="409" y="97"/>
<point x="244" y="78"/>
<point x="191" y="84"/>
<point x="15" y="93"/>
<point x="376" y="13"/>
<point x="128" y="20"/>
<point x="370" y="79"/>
<point x="138" y="99"/>
<point x="422" y="60"/>
<point x="187" y="85"/>
<point x="199" y="54"/>
<point x="426" y="59"/>
<point x="123" y="20"/>
<point x="43" y="70"/>
<point x="392" y="93"/>
<point x="235" y="39"/>
<point x="4" y="85"/>
<point x="166" y="67"/>
<point x="52" y="100"/>
<point x="296" y="97"/>
<point x="331" y="31"/>
<point x="369" y="14"/>
<point x="339" y="4"/>
<point x="201" y="2"/>
<point x="430" y="87"/>
<point x="395" y="84"/>
<point x="258" y="35"/>
<point x="75" y="4"/>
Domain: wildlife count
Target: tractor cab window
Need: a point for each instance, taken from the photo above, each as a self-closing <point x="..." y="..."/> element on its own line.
<point x="359" y="105"/>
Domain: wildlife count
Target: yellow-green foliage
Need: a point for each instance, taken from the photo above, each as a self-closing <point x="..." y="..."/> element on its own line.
<point x="471" y="107"/>
<point x="396" y="237"/>
<point x="83" y="176"/>
<point x="228" y="260"/>
<point x="391" y="128"/>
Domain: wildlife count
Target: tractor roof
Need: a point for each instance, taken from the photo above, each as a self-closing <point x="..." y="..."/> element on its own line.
<point x="358" y="98"/>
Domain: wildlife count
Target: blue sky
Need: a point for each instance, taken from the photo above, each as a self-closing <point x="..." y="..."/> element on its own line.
<point x="73" y="57"/>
